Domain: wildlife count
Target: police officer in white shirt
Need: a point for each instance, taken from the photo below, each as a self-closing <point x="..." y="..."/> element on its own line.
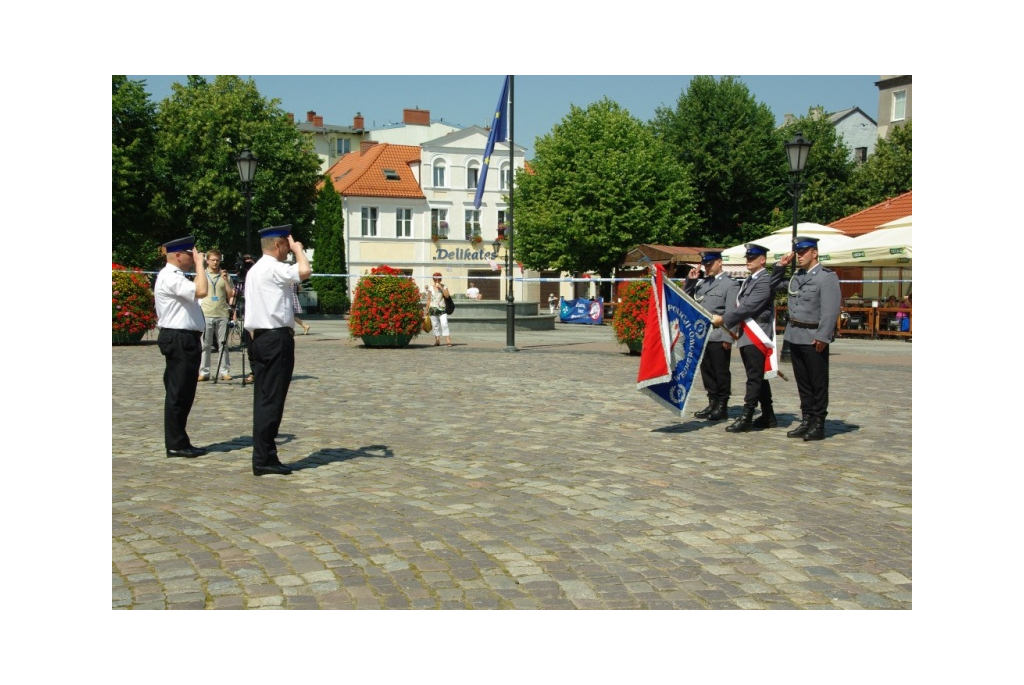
<point x="270" y="320"/>
<point x="181" y="323"/>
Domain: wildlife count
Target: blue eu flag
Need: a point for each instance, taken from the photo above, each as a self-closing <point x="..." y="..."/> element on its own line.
<point x="499" y="134"/>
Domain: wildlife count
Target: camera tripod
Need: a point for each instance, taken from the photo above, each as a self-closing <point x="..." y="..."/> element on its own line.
<point x="236" y="333"/>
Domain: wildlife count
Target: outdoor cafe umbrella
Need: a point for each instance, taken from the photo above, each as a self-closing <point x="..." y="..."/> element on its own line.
<point x="780" y="242"/>
<point x="888" y="245"/>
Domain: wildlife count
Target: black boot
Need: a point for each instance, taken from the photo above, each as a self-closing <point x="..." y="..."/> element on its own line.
<point x="766" y="419"/>
<point x="800" y="430"/>
<point x="816" y="429"/>
<point x="743" y="423"/>
<point x="720" y="410"/>
<point x="706" y="411"/>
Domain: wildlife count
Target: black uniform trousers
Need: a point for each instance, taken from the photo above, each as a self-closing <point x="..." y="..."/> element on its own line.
<point x="714" y="371"/>
<point x="183" y="352"/>
<point x="758" y="389"/>
<point x="810" y="370"/>
<point x="273" y="360"/>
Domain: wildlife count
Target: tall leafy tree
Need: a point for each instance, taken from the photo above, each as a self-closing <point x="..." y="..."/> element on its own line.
<point x="826" y="176"/>
<point x="600" y="185"/>
<point x="329" y="250"/>
<point x="202" y="126"/>
<point x="134" y="170"/>
<point x="729" y="141"/>
<point x="886" y="173"/>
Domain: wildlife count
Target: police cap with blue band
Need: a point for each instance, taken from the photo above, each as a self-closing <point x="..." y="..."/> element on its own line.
<point x="710" y="256"/>
<point x="755" y="250"/>
<point x="276" y="231"/>
<point x="802" y="242"/>
<point x="180" y="244"/>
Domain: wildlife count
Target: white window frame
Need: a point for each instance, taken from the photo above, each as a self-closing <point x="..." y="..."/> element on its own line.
<point x="369" y="216"/>
<point x="472" y="223"/>
<point x="439" y="168"/>
<point x="504" y="177"/>
<point x="899" y="102"/>
<point x="343" y="146"/>
<point x="403" y="222"/>
<point x="472" y="175"/>
<point x="437" y="215"/>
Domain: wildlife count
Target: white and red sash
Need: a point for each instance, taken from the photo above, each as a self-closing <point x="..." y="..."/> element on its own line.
<point x="765" y="344"/>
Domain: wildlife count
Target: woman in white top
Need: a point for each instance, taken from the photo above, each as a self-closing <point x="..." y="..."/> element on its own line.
<point x="435" y="308"/>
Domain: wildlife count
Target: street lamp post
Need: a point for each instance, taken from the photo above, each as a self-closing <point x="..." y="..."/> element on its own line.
<point x="796" y="153"/>
<point x="510" y="309"/>
<point x="247" y="163"/>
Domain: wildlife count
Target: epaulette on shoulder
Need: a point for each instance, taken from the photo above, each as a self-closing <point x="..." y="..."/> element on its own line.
<point x="828" y="270"/>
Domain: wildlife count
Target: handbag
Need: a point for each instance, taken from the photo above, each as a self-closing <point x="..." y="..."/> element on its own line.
<point x="427" y="326"/>
<point x="449" y="305"/>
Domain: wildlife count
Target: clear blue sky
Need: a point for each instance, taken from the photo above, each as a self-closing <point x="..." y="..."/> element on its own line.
<point x="540" y="101"/>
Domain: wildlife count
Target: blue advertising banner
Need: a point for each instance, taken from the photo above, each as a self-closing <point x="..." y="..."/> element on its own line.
<point x="581" y="310"/>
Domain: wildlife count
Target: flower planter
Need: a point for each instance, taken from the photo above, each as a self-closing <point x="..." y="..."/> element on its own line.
<point x="387" y="340"/>
<point x="635" y="347"/>
<point x="120" y="338"/>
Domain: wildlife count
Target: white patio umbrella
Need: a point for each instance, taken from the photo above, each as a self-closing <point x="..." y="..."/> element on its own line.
<point x="888" y="245"/>
<point x="781" y="242"/>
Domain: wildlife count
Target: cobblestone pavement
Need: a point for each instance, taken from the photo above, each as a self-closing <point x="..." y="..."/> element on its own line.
<point x="472" y="477"/>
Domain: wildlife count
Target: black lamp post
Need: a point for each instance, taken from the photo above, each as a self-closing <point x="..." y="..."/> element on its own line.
<point x="247" y="163"/>
<point x="796" y="153"/>
<point x="510" y="309"/>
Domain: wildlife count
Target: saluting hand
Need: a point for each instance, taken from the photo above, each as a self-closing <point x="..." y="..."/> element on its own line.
<point x="787" y="259"/>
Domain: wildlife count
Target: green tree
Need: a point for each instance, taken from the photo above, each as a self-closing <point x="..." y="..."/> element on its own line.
<point x="888" y="172"/>
<point x="730" y="143"/>
<point x="329" y="250"/>
<point x="826" y="176"/>
<point x="134" y="170"/>
<point x="202" y="126"/>
<point x="601" y="185"/>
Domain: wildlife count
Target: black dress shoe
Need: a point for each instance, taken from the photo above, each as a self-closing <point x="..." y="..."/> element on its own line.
<point x="200" y="451"/>
<point x="271" y="469"/>
<point x="188" y="453"/>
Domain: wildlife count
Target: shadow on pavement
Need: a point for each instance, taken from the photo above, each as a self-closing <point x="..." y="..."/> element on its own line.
<point x="331" y="455"/>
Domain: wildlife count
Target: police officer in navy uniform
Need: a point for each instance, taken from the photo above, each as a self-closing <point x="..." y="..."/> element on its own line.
<point x="754" y="300"/>
<point x="270" y="320"/>
<point x="716" y="292"/>
<point x="181" y="322"/>
<point x="814" y="304"/>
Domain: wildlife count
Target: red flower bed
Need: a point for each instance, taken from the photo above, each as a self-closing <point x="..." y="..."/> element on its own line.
<point x="386" y="302"/>
<point x="131" y="300"/>
<point x="631" y="312"/>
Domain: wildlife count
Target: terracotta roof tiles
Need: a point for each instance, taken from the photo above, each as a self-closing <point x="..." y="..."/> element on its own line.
<point x="867" y="220"/>
<point x="363" y="174"/>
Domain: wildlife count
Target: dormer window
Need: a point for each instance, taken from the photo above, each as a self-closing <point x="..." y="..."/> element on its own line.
<point x="391" y="175"/>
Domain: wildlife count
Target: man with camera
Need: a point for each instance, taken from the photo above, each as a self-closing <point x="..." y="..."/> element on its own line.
<point x="216" y="309"/>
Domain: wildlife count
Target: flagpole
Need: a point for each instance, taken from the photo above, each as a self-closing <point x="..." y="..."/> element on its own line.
<point x="510" y="317"/>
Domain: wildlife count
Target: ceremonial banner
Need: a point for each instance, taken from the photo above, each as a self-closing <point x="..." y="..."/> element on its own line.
<point x="675" y="337"/>
<point x="581" y="311"/>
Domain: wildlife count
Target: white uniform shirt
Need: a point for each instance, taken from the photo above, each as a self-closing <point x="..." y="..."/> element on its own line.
<point x="175" y="298"/>
<point x="268" y="294"/>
